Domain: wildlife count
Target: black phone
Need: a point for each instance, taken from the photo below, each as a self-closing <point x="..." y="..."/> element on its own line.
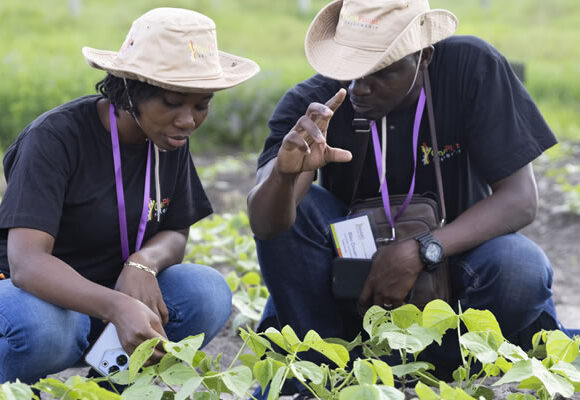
<point x="349" y="276"/>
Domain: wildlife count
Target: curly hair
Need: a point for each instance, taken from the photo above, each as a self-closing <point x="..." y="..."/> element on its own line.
<point x="115" y="90"/>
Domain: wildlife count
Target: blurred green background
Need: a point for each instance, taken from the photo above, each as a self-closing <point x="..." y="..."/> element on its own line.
<point x="42" y="65"/>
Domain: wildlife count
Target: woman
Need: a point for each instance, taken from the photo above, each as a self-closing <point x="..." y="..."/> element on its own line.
<point x="101" y="193"/>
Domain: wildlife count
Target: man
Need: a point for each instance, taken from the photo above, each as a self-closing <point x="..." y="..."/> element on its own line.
<point x="488" y="129"/>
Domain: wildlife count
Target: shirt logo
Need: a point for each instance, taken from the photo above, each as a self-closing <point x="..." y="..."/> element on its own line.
<point x="446" y="153"/>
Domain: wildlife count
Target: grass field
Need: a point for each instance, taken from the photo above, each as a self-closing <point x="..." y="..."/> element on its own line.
<point x="42" y="65"/>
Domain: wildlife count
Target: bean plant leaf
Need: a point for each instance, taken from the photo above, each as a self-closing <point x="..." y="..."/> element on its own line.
<point x="512" y="352"/>
<point x="188" y="387"/>
<point x="264" y="371"/>
<point x="173" y="372"/>
<point x="479" y="346"/>
<point x="185" y="349"/>
<point x="252" y="278"/>
<point x="406" y="315"/>
<point x="277" y="383"/>
<point x="561" y="347"/>
<point x="334" y="352"/>
<point x="425" y="335"/>
<point x="238" y="380"/>
<point x="404" y="341"/>
<point x="364" y="372"/>
<point x="384" y="372"/>
<point x="304" y="370"/>
<point x="293" y="340"/>
<point x="275" y="336"/>
<point x="520" y="396"/>
<point x="568" y="371"/>
<point x="255" y="342"/>
<point x="410" y="368"/>
<point x="51" y="386"/>
<point x="438" y="315"/>
<point x="374" y="317"/>
<point x="532" y="373"/>
<point x="20" y="391"/>
<point x="425" y="392"/>
<point x="141" y="355"/>
<point x="149" y="392"/>
<point x="482" y="321"/>
<point x="449" y="393"/>
<point x="370" y="392"/>
<point x="390" y="393"/>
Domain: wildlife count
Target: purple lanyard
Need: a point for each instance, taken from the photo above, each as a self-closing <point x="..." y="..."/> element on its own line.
<point x="121" y="193"/>
<point x="378" y="159"/>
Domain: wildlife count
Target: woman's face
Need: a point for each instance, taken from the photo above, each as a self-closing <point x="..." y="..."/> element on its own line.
<point x="169" y="119"/>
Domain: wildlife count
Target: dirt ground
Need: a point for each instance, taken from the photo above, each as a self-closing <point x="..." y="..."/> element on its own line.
<point x="556" y="232"/>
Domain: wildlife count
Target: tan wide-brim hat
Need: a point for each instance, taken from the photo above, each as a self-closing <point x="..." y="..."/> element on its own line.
<point x="175" y="49"/>
<point x="349" y="39"/>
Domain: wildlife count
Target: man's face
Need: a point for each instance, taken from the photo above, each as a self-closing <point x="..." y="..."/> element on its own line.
<point x="376" y="95"/>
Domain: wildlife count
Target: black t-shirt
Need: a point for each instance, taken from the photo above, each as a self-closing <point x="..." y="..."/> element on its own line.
<point x="487" y="126"/>
<point x="61" y="180"/>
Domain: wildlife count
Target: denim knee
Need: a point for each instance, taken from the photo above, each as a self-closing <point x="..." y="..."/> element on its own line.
<point x="198" y="299"/>
<point x="508" y="275"/>
<point x="37" y="338"/>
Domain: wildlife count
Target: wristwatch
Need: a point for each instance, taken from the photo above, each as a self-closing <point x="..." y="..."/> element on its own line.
<point x="430" y="251"/>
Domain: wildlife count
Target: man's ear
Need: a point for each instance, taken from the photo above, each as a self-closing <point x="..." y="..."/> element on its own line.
<point x="427" y="57"/>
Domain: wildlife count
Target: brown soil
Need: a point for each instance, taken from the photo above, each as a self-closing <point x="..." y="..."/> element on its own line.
<point x="556" y="232"/>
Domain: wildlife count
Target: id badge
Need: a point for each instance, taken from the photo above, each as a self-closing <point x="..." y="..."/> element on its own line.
<point x="353" y="237"/>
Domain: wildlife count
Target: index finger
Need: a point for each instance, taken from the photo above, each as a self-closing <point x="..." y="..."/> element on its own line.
<point x="335" y="101"/>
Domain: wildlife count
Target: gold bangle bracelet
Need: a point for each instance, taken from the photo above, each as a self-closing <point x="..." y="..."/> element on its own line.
<point x="140" y="266"/>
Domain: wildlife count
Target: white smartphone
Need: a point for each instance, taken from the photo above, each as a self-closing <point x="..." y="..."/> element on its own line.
<point x="107" y="355"/>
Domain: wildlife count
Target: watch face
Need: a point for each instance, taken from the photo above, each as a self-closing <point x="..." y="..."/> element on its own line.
<point x="433" y="252"/>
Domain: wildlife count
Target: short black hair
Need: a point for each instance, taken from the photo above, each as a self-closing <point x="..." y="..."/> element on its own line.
<point x="114" y="89"/>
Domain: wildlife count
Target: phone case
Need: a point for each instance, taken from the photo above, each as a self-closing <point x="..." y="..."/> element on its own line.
<point x="349" y="276"/>
<point x="107" y="355"/>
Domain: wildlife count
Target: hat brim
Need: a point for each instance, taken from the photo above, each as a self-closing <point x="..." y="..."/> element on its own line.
<point x="235" y="70"/>
<point x="345" y="63"/>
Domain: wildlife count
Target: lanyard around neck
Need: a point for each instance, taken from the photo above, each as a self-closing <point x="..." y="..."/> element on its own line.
<point x="121" y="193"/>
<point x="378" y="159"/>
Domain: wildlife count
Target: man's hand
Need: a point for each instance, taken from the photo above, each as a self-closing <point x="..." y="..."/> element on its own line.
<point x="393" y="273"/>
<point x="144" y="287"/>
<point x="304" y="148"/>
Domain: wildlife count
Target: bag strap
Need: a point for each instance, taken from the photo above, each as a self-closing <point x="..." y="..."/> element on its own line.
<point x="363" y="141"/>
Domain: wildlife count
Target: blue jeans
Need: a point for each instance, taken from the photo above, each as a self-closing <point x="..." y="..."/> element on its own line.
<point x="509" y="275"/>
<point x="38" y="338"/>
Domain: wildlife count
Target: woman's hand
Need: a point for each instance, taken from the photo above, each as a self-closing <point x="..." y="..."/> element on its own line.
<point x="143" y="286"/>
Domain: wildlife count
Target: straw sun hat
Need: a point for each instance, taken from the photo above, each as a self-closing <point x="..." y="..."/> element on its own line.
<point x="349" y="39"/>
<point x="175" y="49"/>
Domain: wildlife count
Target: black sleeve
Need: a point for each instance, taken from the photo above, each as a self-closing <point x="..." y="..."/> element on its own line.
<point x="37" y="169"/>
<point x="189" y="203"/>
<point x="504" y="128"/>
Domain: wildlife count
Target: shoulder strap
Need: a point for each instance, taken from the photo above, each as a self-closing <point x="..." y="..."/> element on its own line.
<point x="363" y="140"/>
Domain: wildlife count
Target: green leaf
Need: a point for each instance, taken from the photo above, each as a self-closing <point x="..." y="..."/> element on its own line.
<point x="568" y="371"/>
<point x="390" y="393"/>
<point x="425" y="392"/>
<point x="334" y="352"/>
<point x="406" y="315"/>
<point x="449" y="393"/>
<point x="141" y="355"/>
<point x="263" y="371"/>
<point x="503" y="364"/>
<point x="403" y="341"/>
<point x="520" y="396"/>
<point x="17" y="391"/>
<point x="277" y="383"/>
<point x="364" y="373"/>
<point x="185" y="349"/>
<point x="384" y="372"/>
<point x="482" y="321"/>
<point x="561" y="347"/>
<point x="238" y="380"/>
<point x="438" y="315"/>
<point x="173" y="372"/>
<point x="373" y="318"/>
<point x="512" y="352"/>
<point x="308" y="370"/>
<point x="410" y="368"/>
<point x="233" y="281"/>
<point x="476" y="344"/>
<point x="255" y="342"/>
<point x="360" y="392"/>
<point x="275" y="336"/>
<point x="188" y="388"/>
<point x="425" y="335"/>
<point x="52" y="386"/>
<point x="149" y="392"/>
<point x="529" y="372"/>
<point x="252" y="278"/>
<point x="293" y="340"/>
